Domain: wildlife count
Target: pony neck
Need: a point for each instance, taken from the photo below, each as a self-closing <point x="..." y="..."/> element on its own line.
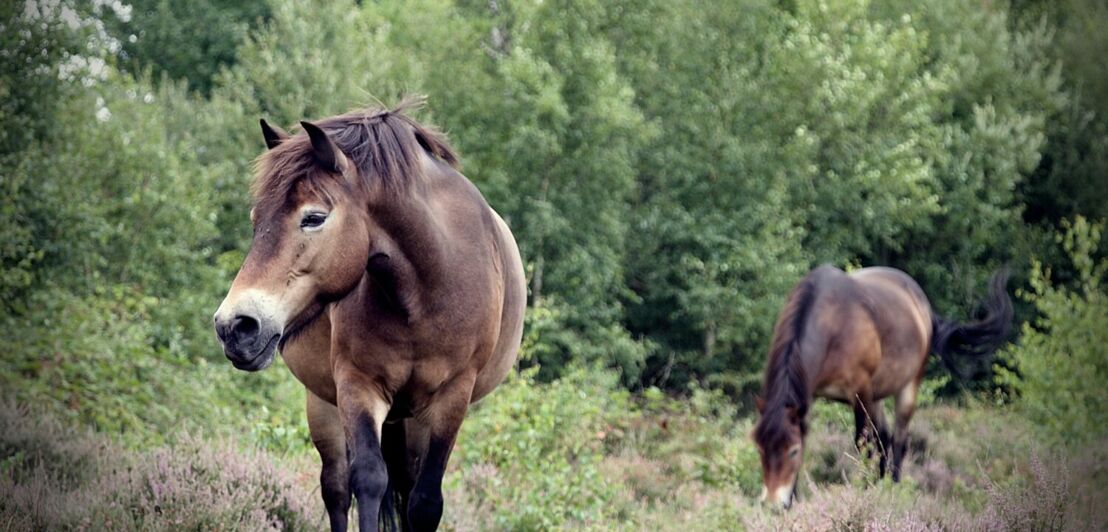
<point x="408" y="232"/>
<point x="786" y="402"/>
<point x="787" y="383"/>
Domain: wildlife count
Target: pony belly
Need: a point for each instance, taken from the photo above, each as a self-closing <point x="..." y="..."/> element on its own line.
<point x="837" y="391"/>
<point x="896" y="373"/>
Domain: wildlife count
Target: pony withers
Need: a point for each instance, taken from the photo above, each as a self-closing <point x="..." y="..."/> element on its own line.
<point x="857" y="339"/>
<point x="393" y="292"/>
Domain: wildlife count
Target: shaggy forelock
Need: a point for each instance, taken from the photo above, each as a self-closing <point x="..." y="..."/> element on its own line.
<point x="382" y="144"/>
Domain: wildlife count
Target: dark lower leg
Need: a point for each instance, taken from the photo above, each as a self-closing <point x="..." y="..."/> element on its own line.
<point x="863" y="428"/>
<point x="884" y="449"/>
<point x="905" y="407"/>
<point x="334" y="481"/>
<point x="334" y="477"/>
<point x="859" y="428"/>
<point x="401" y="479"/>
<point x="900" y="447"/>
<point x="368" y="475"/>
<point x="900" y="442"/>
<point x="882" y="437"/>
<point x="425" y="504"/>
<point x="435" y="440"/>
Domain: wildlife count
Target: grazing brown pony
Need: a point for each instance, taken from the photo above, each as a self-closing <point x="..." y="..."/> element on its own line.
<point x="395" y="295"/>
<point x="857" y="339"/>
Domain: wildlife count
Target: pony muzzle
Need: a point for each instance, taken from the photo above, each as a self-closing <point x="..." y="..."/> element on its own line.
<point x="249" y="337"/>
<point x="781" y="497"/>
<point x="785" y="497"/>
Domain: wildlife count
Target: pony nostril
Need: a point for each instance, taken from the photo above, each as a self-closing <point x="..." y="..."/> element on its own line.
<point x="244" y="326"/>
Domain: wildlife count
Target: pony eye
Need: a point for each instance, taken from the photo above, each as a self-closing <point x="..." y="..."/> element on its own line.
<point x="794" y="452"/>
<point x="312" y="220"/>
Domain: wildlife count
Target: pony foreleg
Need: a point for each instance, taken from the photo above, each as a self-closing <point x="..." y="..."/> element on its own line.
<point x="864" y="427"/>
<point x="861" y="428"/>
<point x="441" y="420"/>
<point x="363" y="413"/>
<point x="334" y="478"/>
<point x="871" y="431"/>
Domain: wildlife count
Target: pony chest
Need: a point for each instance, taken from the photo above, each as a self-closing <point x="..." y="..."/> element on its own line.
<point x="307" y="356"/>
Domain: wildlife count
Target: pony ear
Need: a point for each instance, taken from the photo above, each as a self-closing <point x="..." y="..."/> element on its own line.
<point x="273" y="134"/>
<point x="327" y="153"/>
<point x="760" y="404"/>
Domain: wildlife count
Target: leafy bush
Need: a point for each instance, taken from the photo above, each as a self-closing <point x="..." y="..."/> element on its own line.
<point x="1063" y="356"/>
<point x="579" y="453"/>
<point x="96" y="368"/>
<point x="699" y="437"/>
<point x="190" y="42"/>
<point x="532" y="452"/>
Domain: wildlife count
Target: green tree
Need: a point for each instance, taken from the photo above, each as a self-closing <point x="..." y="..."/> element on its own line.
<point x="188" y="41"/>
<point x="571" y="136"/>
<point x="1070" y="179"/>
<point x="44" y="60"/>
<point x="1063" y="354"/>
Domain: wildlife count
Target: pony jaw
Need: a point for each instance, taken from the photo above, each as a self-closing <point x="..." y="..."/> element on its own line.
<point x="261" y="360"/>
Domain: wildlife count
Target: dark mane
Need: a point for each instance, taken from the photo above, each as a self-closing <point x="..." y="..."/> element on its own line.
<point x="786" y="382"/>
<point x="383" y="144"/>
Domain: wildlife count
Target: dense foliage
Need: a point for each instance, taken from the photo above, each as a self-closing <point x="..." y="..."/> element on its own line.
<point x="668" y="170"/>
<point x="1066" y="348"/>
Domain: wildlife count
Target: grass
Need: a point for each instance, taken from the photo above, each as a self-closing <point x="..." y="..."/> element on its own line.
<point x="689" y="465"/>
<point x="646" y="462"/>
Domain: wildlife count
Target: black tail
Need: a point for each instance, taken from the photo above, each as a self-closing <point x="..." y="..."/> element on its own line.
<point x="976" y="339"/>
<point x="393" y="514"/>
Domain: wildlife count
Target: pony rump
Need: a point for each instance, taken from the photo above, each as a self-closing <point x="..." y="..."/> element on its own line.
<point x="951" y="340"/>
<point x="785" y="389"/>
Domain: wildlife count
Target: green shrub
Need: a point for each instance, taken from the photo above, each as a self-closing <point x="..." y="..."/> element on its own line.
<point x="531" y="452"/>
<point x="579" y="451"/>
<point x="700" y="438"/>
<point x="1061" y="359"/>
<point x="93" y="362"/>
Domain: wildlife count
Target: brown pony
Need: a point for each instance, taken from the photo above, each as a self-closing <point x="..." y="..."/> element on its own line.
<point x="857" y="339"/>
<point x="395" y="295"/>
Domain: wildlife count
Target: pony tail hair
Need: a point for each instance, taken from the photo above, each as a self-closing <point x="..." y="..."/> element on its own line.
<point x="951" y="340"/>
<point x="391" y="515"/>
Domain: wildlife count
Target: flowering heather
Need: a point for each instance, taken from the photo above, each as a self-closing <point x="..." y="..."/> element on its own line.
<point x="976" y="468"/>
<point x="51" y="480"/>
